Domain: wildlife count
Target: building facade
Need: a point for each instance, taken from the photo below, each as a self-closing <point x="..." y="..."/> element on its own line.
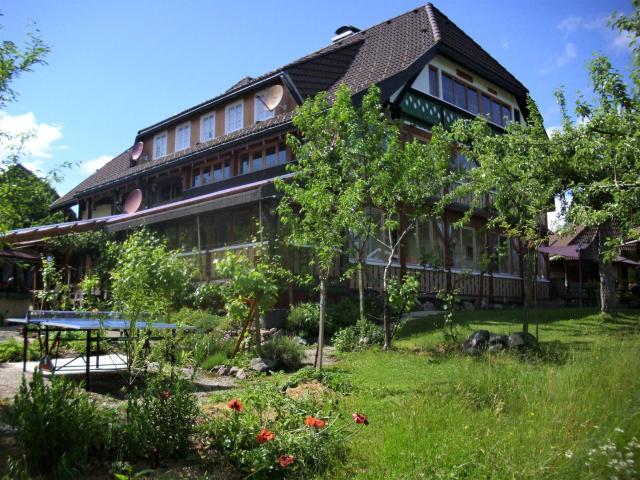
<point x="206" y="174"/>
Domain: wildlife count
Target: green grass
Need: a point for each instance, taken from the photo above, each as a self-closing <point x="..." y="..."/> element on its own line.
<point x="496" y="416"/>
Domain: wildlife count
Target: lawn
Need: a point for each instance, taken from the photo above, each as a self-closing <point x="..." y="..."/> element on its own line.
<point x="498" y="416"/>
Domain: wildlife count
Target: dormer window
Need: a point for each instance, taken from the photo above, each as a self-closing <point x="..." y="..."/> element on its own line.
<point x="183" y="136"/>
<point x="208" y="127"/>
<point x="261" y="112"/>
<point x="160" y="145"/>
<point x="234" y="117"/>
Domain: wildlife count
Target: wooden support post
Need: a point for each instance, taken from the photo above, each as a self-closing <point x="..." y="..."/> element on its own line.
<point x="248" y="322"/>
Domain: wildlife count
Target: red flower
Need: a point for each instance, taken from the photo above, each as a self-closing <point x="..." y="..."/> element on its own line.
<point x="235" y="405"/>
<point x="360" y="418"/>
<point x="286" y="460"/>
<point x="265" y="436"/>
<point x="314" y="422"/>
<point x="165" y="394"/>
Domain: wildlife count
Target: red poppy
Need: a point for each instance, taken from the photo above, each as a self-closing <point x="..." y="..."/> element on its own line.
<point x="165" y="394"/>
<point x="286" y="460"/>
<point x="314" y="422"/>
<point x="360" y="418"/>
<point x="235" y="405"/>
<point x="265" y="436"/>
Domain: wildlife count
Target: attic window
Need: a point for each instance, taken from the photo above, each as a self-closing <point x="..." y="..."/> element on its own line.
<point x="160" y="145"/>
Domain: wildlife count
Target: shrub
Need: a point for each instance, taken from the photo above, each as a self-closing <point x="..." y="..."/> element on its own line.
<point x="343" y="313"/>
<point x="208" y="296"/>
<point x="286" y="351"/>
<point x="11" y="351"/>
<point x="267" y="434"/>
<point x="304" y="319"/>
<point x="218" y="358"/>
<point x="203" y="321"/>
<point x="358" y="336"/>
<point x="161" y="420"/>
<point x="58" y="428"/>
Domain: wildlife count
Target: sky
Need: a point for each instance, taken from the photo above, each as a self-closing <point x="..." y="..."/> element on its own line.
<point x="116" y="67"/>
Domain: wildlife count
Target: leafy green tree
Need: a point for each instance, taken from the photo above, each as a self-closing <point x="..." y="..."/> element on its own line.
<point x="318" y="200"/>
<point x="602" y="156"/>
<point x="522" y="175"/>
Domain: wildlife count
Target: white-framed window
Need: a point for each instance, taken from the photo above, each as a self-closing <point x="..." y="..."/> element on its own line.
<point x="261" y="112"/>
<point x="183" y="136"/>
<point x="160" y="145"/>
<point x="208" y="127"/>
<point x="234" y="117"/>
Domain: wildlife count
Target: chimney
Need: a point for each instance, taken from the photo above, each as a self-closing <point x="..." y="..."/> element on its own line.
<point x="344" y="31"/>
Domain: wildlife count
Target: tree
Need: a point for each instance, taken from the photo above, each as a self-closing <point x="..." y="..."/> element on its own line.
<point x="522" y="175"/>
<point x="14" y="61"/>
<point x="403" y="189"/>
<point x="318" y="200"/>
<point x="602" y="154"/>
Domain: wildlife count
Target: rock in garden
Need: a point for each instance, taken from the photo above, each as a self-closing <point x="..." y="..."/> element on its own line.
<point x="222" y="371"/>
<point x="262" y="364"/>
<point x="233" y="371"/>
<point x="522" y="341"/>
<point x="498" y="343"/>
<point x="476" y="342"/>
<point x="241" y="374"/>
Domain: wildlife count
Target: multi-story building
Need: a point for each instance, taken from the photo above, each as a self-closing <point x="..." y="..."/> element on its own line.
<point x="205" y="175"/>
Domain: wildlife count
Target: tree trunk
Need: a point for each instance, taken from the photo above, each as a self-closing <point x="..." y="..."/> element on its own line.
<point x="323" y="310"/>
<point x="256" y="326"/>
<point x="386" y="310"/>
<point x="529" y="280"/>
<point x="607" y="278"/>
<point x="361" y="288"/>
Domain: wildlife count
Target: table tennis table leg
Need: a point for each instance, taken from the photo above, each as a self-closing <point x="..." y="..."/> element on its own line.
<point x="88" y="367"/>
<point x="98" y="351"/>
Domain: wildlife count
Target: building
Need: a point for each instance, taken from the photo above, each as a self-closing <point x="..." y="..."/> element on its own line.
<point x="205" y="175"/>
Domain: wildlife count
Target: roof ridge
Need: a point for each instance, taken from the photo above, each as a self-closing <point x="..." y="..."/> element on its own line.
<point x="432" y="21"/>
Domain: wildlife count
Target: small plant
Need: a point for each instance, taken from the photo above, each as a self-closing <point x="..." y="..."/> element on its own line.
<point x="357" y="337"/>
<point x="161" y="420"/>
<point x="612" y="460"/>
<point x="286" y="352"/>
<point x="449" y="299"/>
<point x="304" y="319"/>
<point x="11" y="351"/>
<point x="58" y="428"/>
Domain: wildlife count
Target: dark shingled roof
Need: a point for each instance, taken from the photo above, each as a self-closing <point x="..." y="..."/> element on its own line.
<point x="389" y="52"/>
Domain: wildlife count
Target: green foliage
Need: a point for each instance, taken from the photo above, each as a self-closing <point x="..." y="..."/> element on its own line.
<point x="203" y="320"/>
<point x="59" y="430"/>
<point x="55" y="292"/>
<point x="286" y="351"/>
<point x="303" y="319"/>
<point x="358" y="337"/>
<point x="337" y="382"/>
<point x="215" y="359"/>
<point x="314" y="450"/>
<point x="341" y="313"/>
<point x="161" y="420"/>
<point x="208" y="296"/>
<point x="11" y="351"/>
<point x="449" y="299"/>
<point x="402" y="294"/>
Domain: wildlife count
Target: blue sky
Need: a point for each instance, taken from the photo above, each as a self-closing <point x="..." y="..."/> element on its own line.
<point x="116" y="66"/>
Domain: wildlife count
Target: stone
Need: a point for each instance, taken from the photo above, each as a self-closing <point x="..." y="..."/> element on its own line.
<point x="262" y="364"/>
<point x="468" y="305"/>
<point x="498" y="343"/>
<point x="280" y="333"/>
<point x="233" y="371"/>
<point x="241" y="374"/>
<point x="523" y="341"/>
<point x="476" y="342"/>
<point x="222" y="371"/>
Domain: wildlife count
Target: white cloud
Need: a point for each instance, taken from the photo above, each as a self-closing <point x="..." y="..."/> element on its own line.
<point x="570" y="24"/>
<point x="621" y="41"/>
<point x="570" y="52"/>
<point x="41" y="136"/>
<point x="90" y="166"/>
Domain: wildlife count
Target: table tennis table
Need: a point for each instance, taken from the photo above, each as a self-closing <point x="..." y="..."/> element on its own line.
<point x="50" y="324"/>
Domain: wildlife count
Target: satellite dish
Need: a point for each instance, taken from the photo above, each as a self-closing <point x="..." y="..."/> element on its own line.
<point x="133" y="201"/>
<point x="272" y="97"/>
<point x="137" y="151"/>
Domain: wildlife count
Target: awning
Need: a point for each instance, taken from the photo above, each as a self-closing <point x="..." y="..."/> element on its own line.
<point x="570" y="252"/>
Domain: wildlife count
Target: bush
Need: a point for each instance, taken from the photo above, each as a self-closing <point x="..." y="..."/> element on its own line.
<point x="343" y="313"/>
<point x="58" y="429"/>
<point x="268" y="435"/>
<point x="213" y="360"/>
<point x="203" y="321"/>
<point x="287" y="352"/>
<point x="357" y="337"/>
<point x="161" y="420"/>
<point x="11" y="351"/>
<point x="208" y="296"/>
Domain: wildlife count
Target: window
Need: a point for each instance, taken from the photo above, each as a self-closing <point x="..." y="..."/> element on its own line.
<point x="516" y="115"/>
<point x="434" y="87"/>
<point x="261" y="112"/>
<point x="256" y="162"/>
<point x="160" y="145"/>
<point x="486" y="106"/>
<point x="282" y="154"/>
<point x="424" y="246"/>
<point x="472" y="96"/>
<point x="195" y="177"/>
<point x="183" y="136"/>
<point x="206" y="175"/>
<point x="270" y="157"/>
<point x="506" y="115"/>
<point x="447" y="89"/>
<point x="234" y="117"/>
<point x="496" y="110"/>
<point x="508" y="261"/>
<point x="208" y="127"/>
<point x="459" y="93"/>
<point x="463" y="241"/>
<point x="217" y="172"/>
<point x="227" y="169"/>
<point x="244" y="163"/>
